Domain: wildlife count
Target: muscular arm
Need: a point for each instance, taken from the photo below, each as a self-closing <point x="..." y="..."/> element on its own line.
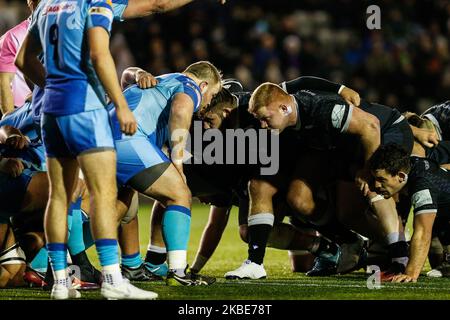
<point x="316" y="83"/>
<point x="6" y="94"/>
<point x="27" y="60"/>
<point x="142" y="8"/>
<point x="212" y="233"/>
<point x="420" y="243"/>
<point x="181" y="111"/>
<point x="106" y="70"/>
<point x="367" y="127"/>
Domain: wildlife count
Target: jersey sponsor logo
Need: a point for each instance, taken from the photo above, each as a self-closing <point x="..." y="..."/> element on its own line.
<point x="422" y="198"/>
<point x="66" y="7"/>
<point x="308" y="92"/>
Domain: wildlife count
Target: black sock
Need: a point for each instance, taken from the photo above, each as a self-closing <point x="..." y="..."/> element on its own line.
<point x="258" y="235"/>
<point x="155" y="257"/>
<point x="80" y="259"/>
<point x="337" y="232"/>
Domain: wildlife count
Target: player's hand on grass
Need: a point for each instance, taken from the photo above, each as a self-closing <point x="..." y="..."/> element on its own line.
<point x="427" y="138"/>
<point x="145" y="80"/>
<point x="404" y="278"/>
<point x="11" y="166"/>
<point x="127" y="121"/>
<point x="351" y="96"/>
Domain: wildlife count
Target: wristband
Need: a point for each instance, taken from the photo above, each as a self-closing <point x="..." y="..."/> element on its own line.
<point x="341" y="88"/>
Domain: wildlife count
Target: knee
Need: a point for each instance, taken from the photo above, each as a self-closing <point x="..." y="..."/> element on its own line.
<point x="181" y="195"/>
<point x="260" y="190"/>
<point x="300" y="203"/>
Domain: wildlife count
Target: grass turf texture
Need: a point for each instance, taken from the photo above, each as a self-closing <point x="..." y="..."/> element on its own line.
<point x="281" y="283"/>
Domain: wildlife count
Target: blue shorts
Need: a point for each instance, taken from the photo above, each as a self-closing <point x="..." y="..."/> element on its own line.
<point x="12" y="192"/>
<point x="71" y="135"/>
<point x="134" y="155"/>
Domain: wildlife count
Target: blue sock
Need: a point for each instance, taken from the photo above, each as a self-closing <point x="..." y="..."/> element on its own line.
<point x="75" y="241"/>
<point x="57" y="253"/>
<point x="69" y="220"/>
<point x="176" y="225"/>
<point x="132" y="260"/>
<point x="40" y="261"/>
<point x="108" y="252"/>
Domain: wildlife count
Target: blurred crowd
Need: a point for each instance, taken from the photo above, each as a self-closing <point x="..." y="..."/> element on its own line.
<point x="405" y="64"/>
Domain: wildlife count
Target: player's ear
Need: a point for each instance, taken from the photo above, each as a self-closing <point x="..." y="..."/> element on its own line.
<point x="226" y="112"/>
<point x="403" y="177"/>
<point x="203" y="87"/>
<point x="285" y="109"/>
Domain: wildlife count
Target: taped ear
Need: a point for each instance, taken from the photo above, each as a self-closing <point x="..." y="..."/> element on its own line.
<point x="288" y="111"/>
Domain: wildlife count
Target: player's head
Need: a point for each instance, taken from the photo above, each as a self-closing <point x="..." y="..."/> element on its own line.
<point x="219" y="109"/>
<point x="418" y="121"/>
<point x="390" y="167"/>
<point x="209" y="78"/>
<point x="271" y="105"/>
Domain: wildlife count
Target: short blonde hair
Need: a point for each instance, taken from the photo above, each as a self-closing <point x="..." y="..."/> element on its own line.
<point x="205" y="71"/>
<point x="264" y="95"/>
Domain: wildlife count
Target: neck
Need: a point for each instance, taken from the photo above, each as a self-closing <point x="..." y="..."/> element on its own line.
<point x="190" y="75"/>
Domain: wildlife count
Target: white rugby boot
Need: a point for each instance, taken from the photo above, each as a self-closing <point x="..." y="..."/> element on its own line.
<point x="248" y="270"/>
<point x="61" y="292"/>
<point x="126" y="291"/>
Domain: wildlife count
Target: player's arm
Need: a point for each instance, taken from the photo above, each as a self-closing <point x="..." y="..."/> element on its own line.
<point x="6" y="94"/>
<point x="181" y="111"/>
<point x="106" y="70"/>
<point x="212" y="233"/>
<point x="13" y="137"/>
<point x="142" y="8"/>
<point x="136" y="75"/>
<point x="316" y="83"/>
<point x="367" y="127"/>
<point x="420" y="245"/>
<point x="28" y="62"/>
<point x="427" y="138"/>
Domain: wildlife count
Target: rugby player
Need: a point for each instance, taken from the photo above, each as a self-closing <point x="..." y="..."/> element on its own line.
<point x="427" y="187"/>
<point x="325" y="116"/>
<point x="71" y="102"/>
<point x="164" y="115"/>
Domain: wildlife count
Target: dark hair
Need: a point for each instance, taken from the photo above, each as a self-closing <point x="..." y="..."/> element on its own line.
<point x="224" y="96"/>
<point x="391" y="157"/>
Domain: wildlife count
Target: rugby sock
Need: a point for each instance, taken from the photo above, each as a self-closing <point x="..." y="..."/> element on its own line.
<point x="75" y="241"/>
<point x="397" y="248"/>
<point x="108" y="255"/>
<point x="176" y="226"/>
<point x="40" y="261"/>
<point x="259" y="228"/>
<point x="57" y="253"/>
<point x="156" y="255"/>
<point x="132" y="260"/>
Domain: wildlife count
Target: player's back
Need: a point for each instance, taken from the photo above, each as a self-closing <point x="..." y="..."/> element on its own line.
<point x="71" y="83"/>
<point x="22" y="119"/>
<point x="151" y="107"/>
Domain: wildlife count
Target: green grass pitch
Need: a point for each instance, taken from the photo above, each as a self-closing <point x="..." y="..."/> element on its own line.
<point x="281" y="282"/>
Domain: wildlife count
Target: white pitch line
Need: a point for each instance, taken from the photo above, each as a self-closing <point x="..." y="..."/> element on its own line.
<point x="400" y="287"/>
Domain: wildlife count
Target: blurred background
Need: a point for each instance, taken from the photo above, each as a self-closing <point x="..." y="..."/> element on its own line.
<point x="405" y="64"/>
